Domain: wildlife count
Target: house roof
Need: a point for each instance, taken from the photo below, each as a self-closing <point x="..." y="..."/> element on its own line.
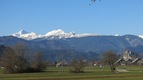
<point x="118" y="61"/>
<point x="135" y="60"/>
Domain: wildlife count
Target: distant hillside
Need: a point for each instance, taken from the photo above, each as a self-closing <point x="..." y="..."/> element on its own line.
<point x="97" y="44"/>
<point x="81" y="45"/>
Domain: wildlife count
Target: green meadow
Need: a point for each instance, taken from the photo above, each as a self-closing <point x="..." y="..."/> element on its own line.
<point x="90" y="73"/>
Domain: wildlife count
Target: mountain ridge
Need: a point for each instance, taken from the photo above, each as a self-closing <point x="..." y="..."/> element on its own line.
<point x="75" y="44"/>
<point x="89" y="43"/>
<point x="54" y="34"/>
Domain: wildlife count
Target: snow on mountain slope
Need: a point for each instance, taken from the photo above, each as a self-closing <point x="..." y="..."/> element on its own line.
<point x="55" y="34"/>
<point x="26" y="35"/>
<point x="59" y="33"/>
<point x="85" y="35"/>
<point x="141" y="36"/>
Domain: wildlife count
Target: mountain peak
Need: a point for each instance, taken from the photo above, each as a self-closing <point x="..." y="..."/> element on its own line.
<point x="55" y="32"/>
<point x="22" y="32"/>
<point x="26" y="35"/>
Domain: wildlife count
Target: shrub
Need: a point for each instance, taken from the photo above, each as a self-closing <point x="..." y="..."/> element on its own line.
<point x="76" y="66"/>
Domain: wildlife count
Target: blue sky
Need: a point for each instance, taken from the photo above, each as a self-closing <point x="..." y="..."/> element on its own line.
<point x="107" y="17"/>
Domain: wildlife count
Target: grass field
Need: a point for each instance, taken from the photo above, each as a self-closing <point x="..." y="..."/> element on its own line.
<point x="91" y="73"/>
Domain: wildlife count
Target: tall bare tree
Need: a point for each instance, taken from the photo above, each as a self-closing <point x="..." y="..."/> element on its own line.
<point x="8" y="60"/>
<point x="109" y="58"/>
<point x="14" y="59"/>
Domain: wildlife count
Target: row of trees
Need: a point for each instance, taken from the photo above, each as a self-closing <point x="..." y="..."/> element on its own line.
<point x="18" y="59"/>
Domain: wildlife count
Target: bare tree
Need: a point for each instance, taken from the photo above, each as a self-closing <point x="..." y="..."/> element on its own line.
<point x="21" y="51"/>
<point x="16" y="59"/>
<point x="8" y="60"/>
<point x="109" y="58"/>
<point x="12" y="62"/>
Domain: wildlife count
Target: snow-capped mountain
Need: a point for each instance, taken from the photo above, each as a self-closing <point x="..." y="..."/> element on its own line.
<point x="54" y="34"/>
<point x="141" y="36"/>
<point x="26" y="35"/>
<point x="80" y="42"/>
<point x="59" y="34"/>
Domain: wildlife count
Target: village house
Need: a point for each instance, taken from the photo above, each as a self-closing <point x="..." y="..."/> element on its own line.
<point x="128" y="59"/>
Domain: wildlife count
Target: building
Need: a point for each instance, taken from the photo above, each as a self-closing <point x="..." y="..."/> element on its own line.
<point x="128" y="59"/>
